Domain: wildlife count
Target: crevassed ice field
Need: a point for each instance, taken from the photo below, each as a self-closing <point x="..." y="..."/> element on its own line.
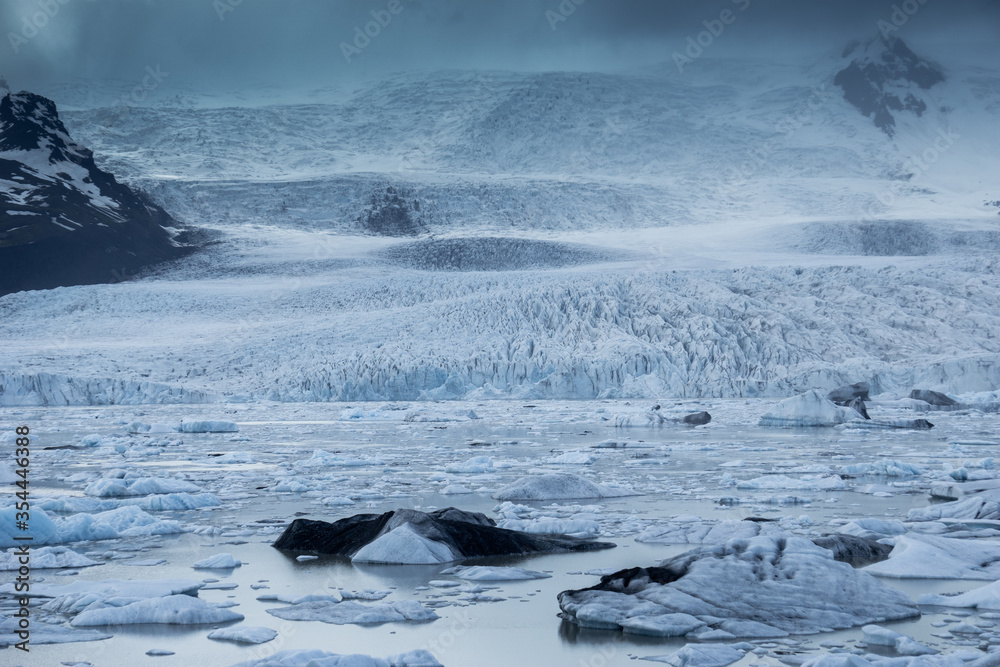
<point x="416" y="292"/>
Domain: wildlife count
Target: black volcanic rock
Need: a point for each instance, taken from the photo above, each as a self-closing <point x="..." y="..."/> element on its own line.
<point x="844" y="394"/>
<point x="881" y="80"/>
<point x="933" y="397"/>
<point x="64" y="221"/>
<point x="697" y="418"/>
<point x="412" y="537"/>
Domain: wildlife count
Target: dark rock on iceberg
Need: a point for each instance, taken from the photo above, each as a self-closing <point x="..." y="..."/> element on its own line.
<point x="758" y="587"/>
<point x="697" y="418"/>
<point x="881" y="79"/>
<point x="853" y="550"/>
<point x="859" y="406"/>
<point x="411" y="537"/>
<point x="844" y="394"/>
<point x="63" y="221"/>
<point x="932" y="397"/>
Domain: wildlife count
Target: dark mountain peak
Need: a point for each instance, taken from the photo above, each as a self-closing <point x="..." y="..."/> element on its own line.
<point x="63" y="220"/>
<point x="31" y="122"/>
<point x="884" y="76"/>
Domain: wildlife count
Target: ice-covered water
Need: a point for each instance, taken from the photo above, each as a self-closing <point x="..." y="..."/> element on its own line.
<point x="330" y="461"/>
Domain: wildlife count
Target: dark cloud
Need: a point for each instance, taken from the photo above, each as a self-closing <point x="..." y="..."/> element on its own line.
<point x="229" y="43"/>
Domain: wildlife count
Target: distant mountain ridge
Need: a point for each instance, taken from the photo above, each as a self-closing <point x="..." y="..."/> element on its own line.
<point x="64" y="221"/>
<point x="881" y="79"/>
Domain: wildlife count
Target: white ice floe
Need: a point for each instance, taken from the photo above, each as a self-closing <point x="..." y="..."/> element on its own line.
<point x="324" y="459"/>
<point x="45" y="633"/>
<point x="477" y="464"/>
<point x="42" y="558"/>
<point x="557" y="486"/>
<point x="114" y="486"/>
<point x="574" y="457"/>
<point x="493" y="573"/>
<point x="217" y="562"/>
<point x="803" y="483"/>
<point x="935" y="557"/>
<point x="808" y="409"/>
<point x="705" y="532"/>
<point x="985" y="597"/>
<point x="317" y="658"/>
<point x="902" y="644"/>
<point x="355" y="613"/>
<point x="208" y="427"/>
<point x="885" y="467"/>
<point x="759" y="587"/>
<point x="172" y="609"/>
<point x="872" y="528"/>
<point x="403" y="545"/>
<point x="704" y="655"/>
<point x="455" y="490"/>
<point x="553" y="526"/>
<point x="128" y="521"/>
<point x="984" y="505"/>
<point x="244" y="635"/>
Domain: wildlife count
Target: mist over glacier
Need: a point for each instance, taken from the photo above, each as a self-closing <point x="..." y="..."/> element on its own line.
<point x="756" y="222"/>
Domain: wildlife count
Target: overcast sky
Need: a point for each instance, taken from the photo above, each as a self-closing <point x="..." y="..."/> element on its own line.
<point x="227" y="43"/>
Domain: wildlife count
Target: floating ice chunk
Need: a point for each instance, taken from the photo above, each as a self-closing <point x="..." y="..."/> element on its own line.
<point x="902" y="644"/>
<point x="404" y="545"/>
<point x="872" y="528"/>
<point x="41" y="529"/>
<point x="553" y="526"/>
<point x="806" y="482"/>
<point x="317" y="658"/>
<point x="759" y="587"/>
<point x="477" y="464"/>
<point x="809" y="409"/>
<point x="557" y="486"/>
<point x="111" y="588"/>
<point x="208" y="427"/>
<point x="113" y="487"/>
<point x="235" y="457"/>
<point x="142" y="428"/>
<point x="7" y="475"/>
<point x="324" y="459"/>
<point x="45" y="633"/>
<point x="493" y="573"/>
<point x="704" y="655"/>
<point x="705" y="532"/>
<point x="174" y="502"/>
<point x="455" y="490"/>
<point x="886" y="467"/>
<point x="986" y="597"/>
<point x="92" y="440"/>
<point x="935" y="557"/>
<point x="217" y="562"/>
<point x="244" y="635"/>
<point x="46" y="558"/>
<point x="980" y="506"/>
<point x="355" y="613"/>
<point x="173" y="609"/>
<point x="575" y="457"/>
<point x="128" y="521"/>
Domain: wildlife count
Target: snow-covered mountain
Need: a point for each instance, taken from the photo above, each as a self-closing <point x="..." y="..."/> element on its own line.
<point x="742" y="229"/>
<point x="64" y="221"/>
